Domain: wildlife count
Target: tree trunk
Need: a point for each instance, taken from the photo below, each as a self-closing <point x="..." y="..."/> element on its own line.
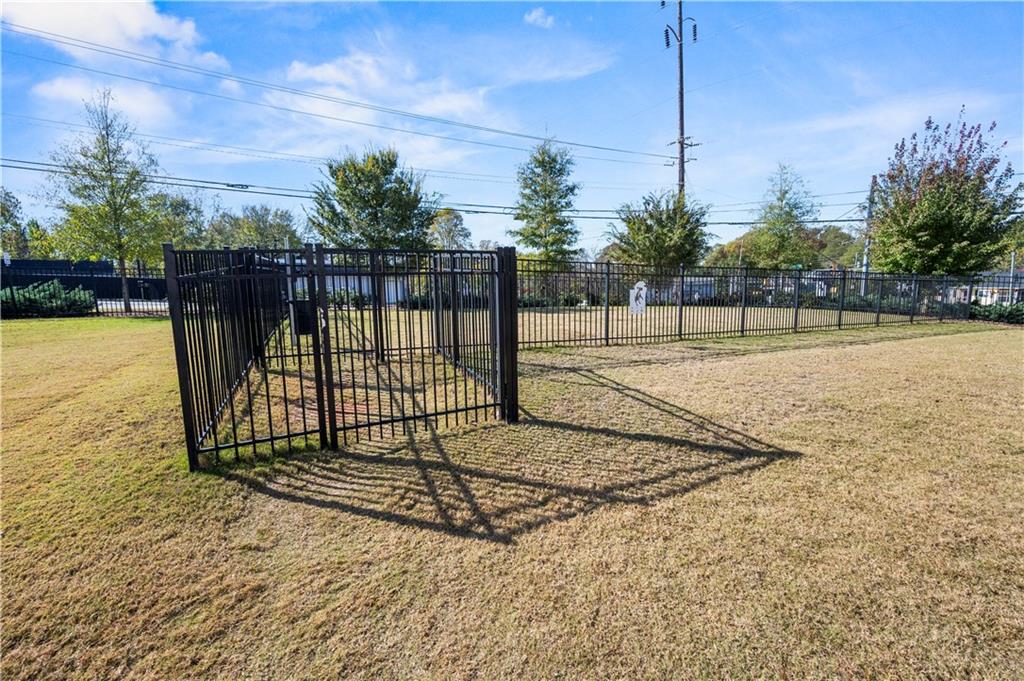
<point x="124" y="286"/>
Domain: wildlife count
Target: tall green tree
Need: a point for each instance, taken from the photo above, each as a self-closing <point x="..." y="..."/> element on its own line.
<point x="783" y="239"/>
<point x="103" y="191"/>
<point x="178" y="218"/>
<point x="836" y="246"/>
<point x="371" y="201"/>
<point x="729" y="254"/>
<point x="946" y="203"/>
<point x="13" y="233"/>
<point x="1012" y="242"/>
<point x="41" y="243"/>
<point x="259" y="226"/>
<point x="662" y="230"/>
<point x="448" y="231"/>
<point x="546" y="196"/>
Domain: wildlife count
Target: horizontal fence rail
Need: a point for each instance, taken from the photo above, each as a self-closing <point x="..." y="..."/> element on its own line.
<point x="61" y="288"/>
<point x="588" y="303"/>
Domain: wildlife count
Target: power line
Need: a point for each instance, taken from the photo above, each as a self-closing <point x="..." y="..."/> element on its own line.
<point x="485" y="209"/>
<point x="298" y="193"/>
<point x="293" y="192"/>
<point x="301" y="112"/>
<point x="813" y="196"/>
<point x="484" y="177"/>
<point x="268" y="154"/>
<point x="11" y="166"/>
<point x="167" y="63"/>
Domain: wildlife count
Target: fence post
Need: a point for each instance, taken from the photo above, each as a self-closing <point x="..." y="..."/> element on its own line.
<point x="177" y="314"/>
<point x="95" y="291"/>
<point x="13" y="288"/>
<point x="743" y="304"/>
<point x="255" y="305"/>
<point x="607" y="293"/>
<point x="796" y="301"/>
<point x="453" y="274"/>
<point x="437" y="306"/>
<point x="970" y="296"/>
<point x="842" y="298"/>
<point x="324" y="327"/>
<point x="508" y="334"/>
<point x="313" y="296"/>
<point x="913" y="298"/>
<point x="376" y="316"/>
<point x="942" y="298"/>
<point x="878" y="301"/>
<point x="682" y="299"/>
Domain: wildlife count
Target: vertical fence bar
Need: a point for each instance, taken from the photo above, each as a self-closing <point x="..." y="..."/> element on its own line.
<point x="796" y="302"/>
<point x="376" y="310"/>
<point x="456" y="339"/>
<point x="878" y="300"/>
<point x="743" y="303"/>
<point x="323" y="327"/>
<point x="95" y="291"/>
<point x="970" y="296"/>
<point x="508" y="333"/>
<point x="12" y="289"/>
<point x="313" y="308"/>
<point x="177" y="313"/>
<point x="942" y="298"/>
<point x="842" y="298"/>
<point x="436" y="306"/>
<point x="682" y="299"/>
<point x="913" y="298"/>
<point x="607" y="299"/>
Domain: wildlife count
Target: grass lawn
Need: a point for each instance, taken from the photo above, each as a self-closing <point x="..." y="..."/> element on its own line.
<point x="839" y="504"/>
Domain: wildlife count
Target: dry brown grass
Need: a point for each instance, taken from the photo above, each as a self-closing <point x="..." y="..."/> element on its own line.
<point x="816" y="506"/>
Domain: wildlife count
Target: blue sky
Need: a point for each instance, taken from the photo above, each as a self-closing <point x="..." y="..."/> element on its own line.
<point x="828" y="88"/>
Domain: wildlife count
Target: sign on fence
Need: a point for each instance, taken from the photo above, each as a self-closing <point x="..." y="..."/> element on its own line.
<point x="638" y="298"/>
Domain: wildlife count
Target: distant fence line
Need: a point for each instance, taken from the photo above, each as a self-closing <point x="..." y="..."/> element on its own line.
<point x="86" y="287"/>
<point x="588" y="303"/>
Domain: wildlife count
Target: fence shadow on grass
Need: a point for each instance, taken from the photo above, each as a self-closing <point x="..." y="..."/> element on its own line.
<point x="496" y="482"/>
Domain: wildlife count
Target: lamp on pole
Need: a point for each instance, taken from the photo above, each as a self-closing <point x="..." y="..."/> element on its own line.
<point x="677" y="33"/>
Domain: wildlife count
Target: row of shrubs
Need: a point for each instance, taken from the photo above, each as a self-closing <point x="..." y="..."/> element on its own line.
<point x="999" y="312"/>
<point x="46" y="299"/>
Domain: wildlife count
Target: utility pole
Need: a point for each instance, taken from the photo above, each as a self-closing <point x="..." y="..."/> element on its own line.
<point x="866" y="259"/>
<point x="677" y="32"/>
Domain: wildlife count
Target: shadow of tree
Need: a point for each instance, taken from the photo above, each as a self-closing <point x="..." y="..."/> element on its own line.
<point x="496" y="482"/>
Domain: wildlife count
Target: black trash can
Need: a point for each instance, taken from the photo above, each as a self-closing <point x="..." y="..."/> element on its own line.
<point x="301" y="318"/>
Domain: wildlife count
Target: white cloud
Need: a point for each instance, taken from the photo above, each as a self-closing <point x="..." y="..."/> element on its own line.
<point x="538" y="17"/>
<point x="385" y="68"/>
<point x="573" y="64"/>
<point x="231" y="87"/>
<point x="356" y="69"/>
<point x="388" y="79"/>
<point x="135" y="26"/>
<point x="893" y="118"/>
<point x="141" y="105"/>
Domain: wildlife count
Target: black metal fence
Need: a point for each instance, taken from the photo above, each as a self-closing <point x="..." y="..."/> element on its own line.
<point x="314" y="347"/>
<point x="587" y="303"/>
<point x="31" y="288"/>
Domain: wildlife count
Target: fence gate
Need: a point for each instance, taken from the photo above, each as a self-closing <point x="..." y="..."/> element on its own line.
<point x="318" y="347"/>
